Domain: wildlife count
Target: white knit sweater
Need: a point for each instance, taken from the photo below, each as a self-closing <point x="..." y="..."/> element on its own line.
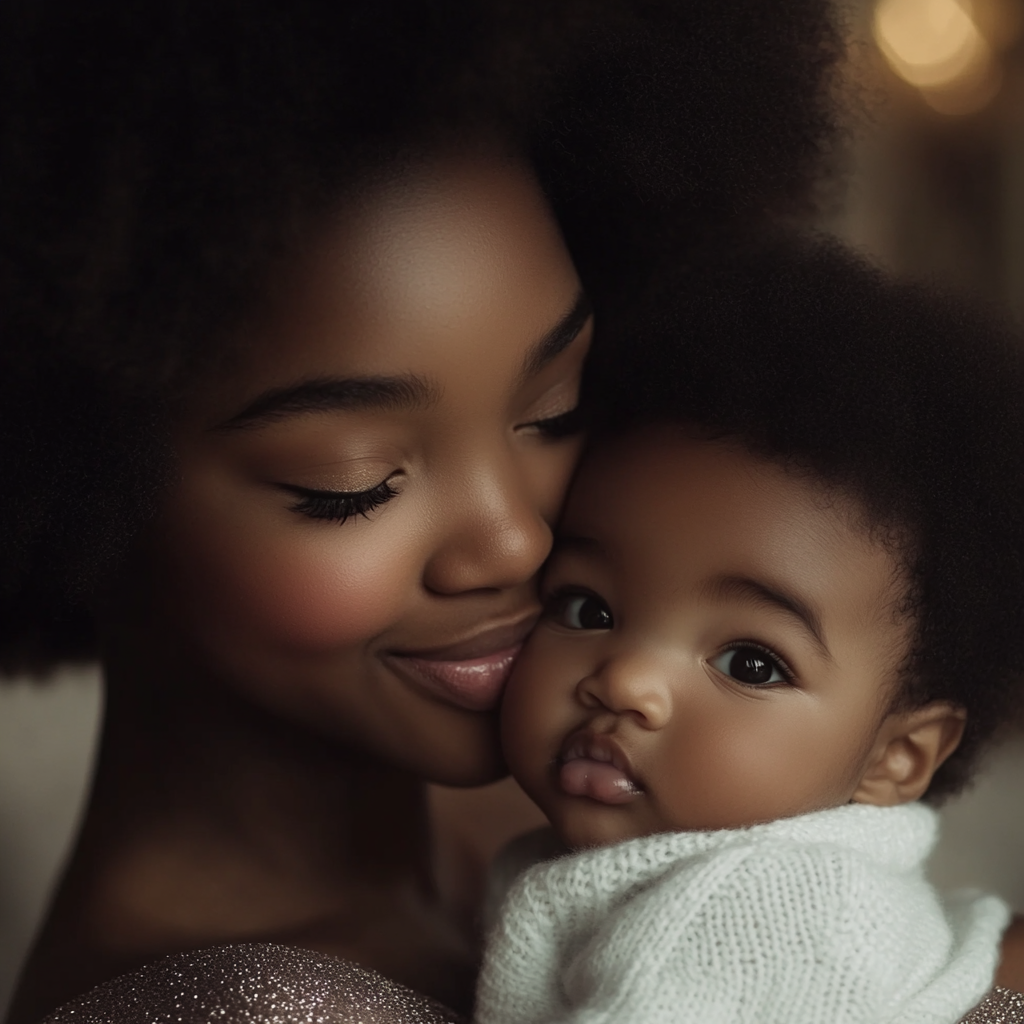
<point x="824" y="918"/>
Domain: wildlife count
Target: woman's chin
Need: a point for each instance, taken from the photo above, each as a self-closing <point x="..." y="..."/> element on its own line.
<point x="466" y="777"/>
<point x="443" y="744"/>
<point x="473" y="765"/>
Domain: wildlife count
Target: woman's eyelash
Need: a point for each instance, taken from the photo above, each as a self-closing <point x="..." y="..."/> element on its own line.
<point x="563" y="425"/>
<point x="337" y="506"/>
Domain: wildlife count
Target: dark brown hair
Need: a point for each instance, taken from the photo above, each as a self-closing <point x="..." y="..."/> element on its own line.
<point x="903" y="396"/>
<point x="158" y="158"/>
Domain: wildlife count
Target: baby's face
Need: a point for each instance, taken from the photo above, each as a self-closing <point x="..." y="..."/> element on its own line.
<point x="719" y="646"/>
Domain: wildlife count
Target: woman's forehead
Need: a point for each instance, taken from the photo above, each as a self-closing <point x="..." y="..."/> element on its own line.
<point x="455" y="268"/>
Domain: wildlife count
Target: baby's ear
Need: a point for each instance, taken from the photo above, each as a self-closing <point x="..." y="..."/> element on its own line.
<point x="908" y="750"/>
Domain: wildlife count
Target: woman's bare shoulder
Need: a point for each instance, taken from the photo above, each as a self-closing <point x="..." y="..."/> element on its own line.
<point x="1011" y="964"/>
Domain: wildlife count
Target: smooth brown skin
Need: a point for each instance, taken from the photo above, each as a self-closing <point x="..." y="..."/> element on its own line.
<point x="1010" y="973"/>
<point x="681" y="539"/>
<point x="263" y="767"/>
<point x="260" y="776"/>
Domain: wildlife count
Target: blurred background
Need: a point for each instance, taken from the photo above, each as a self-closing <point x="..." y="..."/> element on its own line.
<point x="937" y="187"/>
<point x="936" y="190"/>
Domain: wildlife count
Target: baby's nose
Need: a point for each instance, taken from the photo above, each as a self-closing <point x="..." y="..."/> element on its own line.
<point x="631" y="684"/>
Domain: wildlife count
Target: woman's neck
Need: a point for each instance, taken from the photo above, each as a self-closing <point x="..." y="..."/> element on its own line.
<point x="212" y="820"/>
<point x="219" y="796"/>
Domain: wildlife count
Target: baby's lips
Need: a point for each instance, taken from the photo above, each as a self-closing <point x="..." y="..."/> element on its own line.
<point x="598" y="780"/>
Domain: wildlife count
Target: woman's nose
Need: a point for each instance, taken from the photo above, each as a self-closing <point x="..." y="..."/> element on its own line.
<point x="632" y="684"/>
<point x="492" y="538"/>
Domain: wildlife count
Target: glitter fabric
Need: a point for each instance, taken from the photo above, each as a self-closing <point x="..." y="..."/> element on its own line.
<point x="1001" y="1006"/>
<point x="252" y="984"/>
<point x="265" y="984"/>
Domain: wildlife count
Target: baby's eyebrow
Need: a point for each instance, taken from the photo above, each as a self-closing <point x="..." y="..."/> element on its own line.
<point x="774" y="595"/>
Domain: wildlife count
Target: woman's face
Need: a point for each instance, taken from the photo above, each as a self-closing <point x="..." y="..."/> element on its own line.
<point x="360" y="510"/>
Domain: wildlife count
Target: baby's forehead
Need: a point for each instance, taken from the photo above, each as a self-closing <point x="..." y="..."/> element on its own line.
<point x="623" y="479"/>
<point x="693" y="542"/>
<point x="662" y="499"/>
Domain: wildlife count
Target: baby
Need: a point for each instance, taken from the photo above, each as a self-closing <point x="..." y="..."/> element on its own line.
<point x="786" y="603"/>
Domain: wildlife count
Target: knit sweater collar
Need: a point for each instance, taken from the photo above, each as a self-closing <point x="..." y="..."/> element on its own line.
<point x="900" y="838"/>
<point x="820" y="917"/>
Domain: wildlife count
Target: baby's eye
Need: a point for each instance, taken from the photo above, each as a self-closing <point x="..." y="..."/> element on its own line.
<point x="580" y="611"/>
<point x="752" y="666"/>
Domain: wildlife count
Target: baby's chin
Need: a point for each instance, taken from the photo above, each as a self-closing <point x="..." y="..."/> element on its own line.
<point x="582" y="823"/>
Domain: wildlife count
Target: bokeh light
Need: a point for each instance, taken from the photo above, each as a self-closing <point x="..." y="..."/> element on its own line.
<point x="936" y="46"/>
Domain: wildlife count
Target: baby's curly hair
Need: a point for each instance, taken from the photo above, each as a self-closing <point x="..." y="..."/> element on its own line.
<point x="905" y="398"/>
<point x="158" y="159"/>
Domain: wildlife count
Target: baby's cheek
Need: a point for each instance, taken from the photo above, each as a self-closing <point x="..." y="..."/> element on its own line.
<point x="537" y="707"/>
<point x="522" y="711"/>
<point x="765" y="762"/>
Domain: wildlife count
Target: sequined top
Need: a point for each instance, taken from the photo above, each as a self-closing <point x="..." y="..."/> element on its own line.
<point x="255" y="983"/>
<point x="1001" y="1007"/>
<point x="269" y="984"/>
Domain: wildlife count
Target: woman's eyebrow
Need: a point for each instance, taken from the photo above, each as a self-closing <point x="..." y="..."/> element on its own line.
<point x="560" y="337"/>
<point x="332" y="394"/>
<point x="774" y="595"/>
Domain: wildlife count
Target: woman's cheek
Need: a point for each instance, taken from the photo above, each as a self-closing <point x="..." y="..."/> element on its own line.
<point x="318" y="597"/>
<point x="307" y="590"/>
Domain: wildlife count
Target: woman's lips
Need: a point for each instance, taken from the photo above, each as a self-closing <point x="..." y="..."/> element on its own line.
<point x="469" y="673"/>
<point x="473" y="683"/>
<point x="595" y="766"/>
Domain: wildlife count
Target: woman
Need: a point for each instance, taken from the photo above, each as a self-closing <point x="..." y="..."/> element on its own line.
<point x="294" y="315"/>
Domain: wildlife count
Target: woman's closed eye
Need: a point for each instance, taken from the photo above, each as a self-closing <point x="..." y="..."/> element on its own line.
<point x="554" y="428"/>
<point x="752" y="665"/>
<point x="579" y="610"/>
<point x="337" y="506"/>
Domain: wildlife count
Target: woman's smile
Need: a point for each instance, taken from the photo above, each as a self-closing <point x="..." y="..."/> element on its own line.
<point x="469" y="673"/>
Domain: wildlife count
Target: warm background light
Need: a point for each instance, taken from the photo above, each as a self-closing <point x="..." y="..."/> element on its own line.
<point x="928" y="42"/>
<point x="937" y="46"/>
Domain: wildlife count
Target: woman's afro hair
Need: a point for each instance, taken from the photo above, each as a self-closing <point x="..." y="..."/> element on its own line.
<point x="905" y="398"/>
<point x="157" y="158"/>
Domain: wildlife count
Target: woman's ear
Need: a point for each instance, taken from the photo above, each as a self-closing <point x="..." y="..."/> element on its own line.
<point x="908" y="750"/>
